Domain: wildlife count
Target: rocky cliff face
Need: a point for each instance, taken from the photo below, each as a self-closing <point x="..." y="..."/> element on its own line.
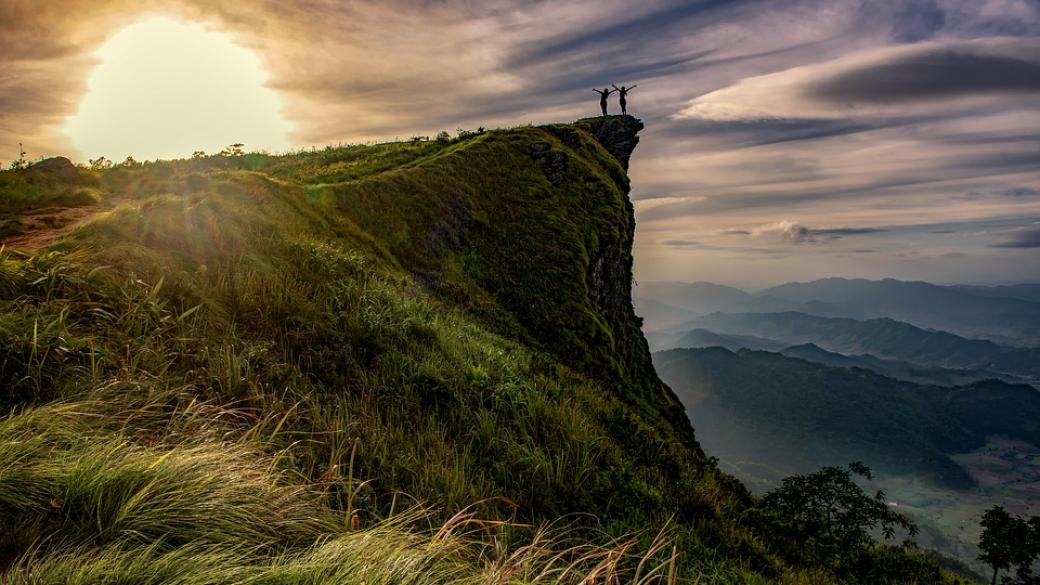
<point x="618" y="134"/>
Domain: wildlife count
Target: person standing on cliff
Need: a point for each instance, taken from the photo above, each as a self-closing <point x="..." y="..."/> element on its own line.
<point x="622" y="93"/>
<point x="603" y="98"/>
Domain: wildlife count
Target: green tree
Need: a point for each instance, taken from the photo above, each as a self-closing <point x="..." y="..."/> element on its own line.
<point x="1010" y="541"/>
<point x="830" y="508"/>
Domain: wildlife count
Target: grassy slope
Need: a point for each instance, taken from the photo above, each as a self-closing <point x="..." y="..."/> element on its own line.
<point x="255" y="368"/>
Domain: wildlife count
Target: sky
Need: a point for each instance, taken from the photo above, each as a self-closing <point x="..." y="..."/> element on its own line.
<point x="785" y="139"/>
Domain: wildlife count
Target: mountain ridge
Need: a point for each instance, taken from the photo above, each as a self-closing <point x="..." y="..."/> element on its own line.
<point x="298" y="340"/>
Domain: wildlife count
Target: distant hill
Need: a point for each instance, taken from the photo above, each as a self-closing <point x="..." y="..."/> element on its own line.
<point x="1024" y="292"/>
<point x="658" y="315"/>
<point x="1009" y="315"/>
<point x="967" y="311"/>
<point x="794" y="415"/>
<point x="895" y="369"/>
<point x="884" y="338"/>
<point x="706" y="338"/>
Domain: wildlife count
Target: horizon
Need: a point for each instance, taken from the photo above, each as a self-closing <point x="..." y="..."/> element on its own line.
<point x="758" y="289"/>
<point x="893" y="139"/>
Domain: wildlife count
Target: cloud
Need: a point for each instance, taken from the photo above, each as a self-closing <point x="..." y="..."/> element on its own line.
<point x="1022" y="238"/>
<point x="788" y="230"/>
<point x="847" y="231"/>
<point x="889" y="81"/>
<point x="801" y="234"/>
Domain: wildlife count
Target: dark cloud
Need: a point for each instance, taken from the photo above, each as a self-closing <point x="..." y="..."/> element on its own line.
<point x="1016" y="192"/>
<point x="746" y="133"/>
<point x="1023" y="238"/>
<point x="941" y="73"/>
<point x="847" y="231"/>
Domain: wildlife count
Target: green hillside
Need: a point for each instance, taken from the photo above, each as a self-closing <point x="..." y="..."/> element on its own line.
<point x="799" y="415"/>
<point x="412" y="362"/>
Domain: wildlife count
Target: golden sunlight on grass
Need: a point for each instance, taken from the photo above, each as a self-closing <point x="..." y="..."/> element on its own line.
<point x="165" y="88"/>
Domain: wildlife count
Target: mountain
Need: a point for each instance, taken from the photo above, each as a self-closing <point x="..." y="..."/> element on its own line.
<point x="943" y="455"/>
<point x="960" y="310"/>
<point x="657" y="315"/>
<point x="1009" y="315"/>
<point x="894" y="369"/>
<point x="384" y="363"/>
<point x="1024" y="292"/>
<point x="705" y="338"/>
<point x="796" y="415"/>
<point x="884" y="338"/>
<point x="697" y="297"/>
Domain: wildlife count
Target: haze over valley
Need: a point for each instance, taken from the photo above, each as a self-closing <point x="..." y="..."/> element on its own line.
<point x="935" y="387"/>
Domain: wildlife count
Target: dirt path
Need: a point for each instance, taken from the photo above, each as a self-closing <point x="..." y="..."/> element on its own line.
<point x="46" y="224"/>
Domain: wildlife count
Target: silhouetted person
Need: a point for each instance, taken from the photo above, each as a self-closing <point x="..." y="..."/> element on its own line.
<point x="603" y="98"/>
<point x="622" y="92"/>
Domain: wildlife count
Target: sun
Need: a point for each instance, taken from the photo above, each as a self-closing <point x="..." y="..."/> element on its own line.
<point x="165" y="88"/>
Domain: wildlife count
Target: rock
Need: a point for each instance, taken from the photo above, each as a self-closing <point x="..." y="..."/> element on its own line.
<point x="618" y="134"/>
<point x="553" y="162"/>
<point x="57" y="167"/>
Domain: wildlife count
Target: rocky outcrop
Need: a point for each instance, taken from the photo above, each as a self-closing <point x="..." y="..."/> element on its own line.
<point x="58" y="167"/>
<point x="618" y="134"/>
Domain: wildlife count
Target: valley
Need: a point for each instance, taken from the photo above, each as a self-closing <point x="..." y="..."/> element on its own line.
<point x="949" y="423"/>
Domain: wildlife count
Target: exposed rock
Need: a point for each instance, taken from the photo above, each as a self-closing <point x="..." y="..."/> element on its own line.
<point x="57" y="167"/>
<point x="553" y="162"/>
<point x="618" y="134"/>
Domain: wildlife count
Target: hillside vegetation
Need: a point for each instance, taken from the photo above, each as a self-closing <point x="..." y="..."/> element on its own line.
<point x="403" y="363"/>
<point x="798" y="415"/>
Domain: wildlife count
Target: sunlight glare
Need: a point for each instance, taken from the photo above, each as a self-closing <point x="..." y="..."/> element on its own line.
<point x="165" y="88"/>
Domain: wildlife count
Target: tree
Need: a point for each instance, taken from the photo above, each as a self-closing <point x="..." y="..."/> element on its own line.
<point x="829" y="507"/>
<point x="233" y="150"/>
<point x="1010" y="541"/>
<point x="21" y="163"/>
<point x="100" y="164"/>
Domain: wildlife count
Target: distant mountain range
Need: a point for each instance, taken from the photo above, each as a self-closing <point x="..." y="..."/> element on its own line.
<point x="905" y="371"/>
<point x="1009" y="315"/>
<point x="792" y="415"/>
<point x="884" y="338"/>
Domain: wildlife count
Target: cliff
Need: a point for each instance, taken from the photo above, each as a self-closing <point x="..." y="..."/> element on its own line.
<point x="252" y="366"/>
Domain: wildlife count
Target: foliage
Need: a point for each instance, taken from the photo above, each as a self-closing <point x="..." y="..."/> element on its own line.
<point x="831" y="517"/>
<point x="1009" y="541"/>
<point x="20" y="163"/>
<point x="233" y="150"/>
<point x="100" y="164"/>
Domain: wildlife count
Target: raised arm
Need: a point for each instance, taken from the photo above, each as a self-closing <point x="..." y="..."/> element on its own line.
<point x="633" y="87"/>
<point x="615" y="87"/>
